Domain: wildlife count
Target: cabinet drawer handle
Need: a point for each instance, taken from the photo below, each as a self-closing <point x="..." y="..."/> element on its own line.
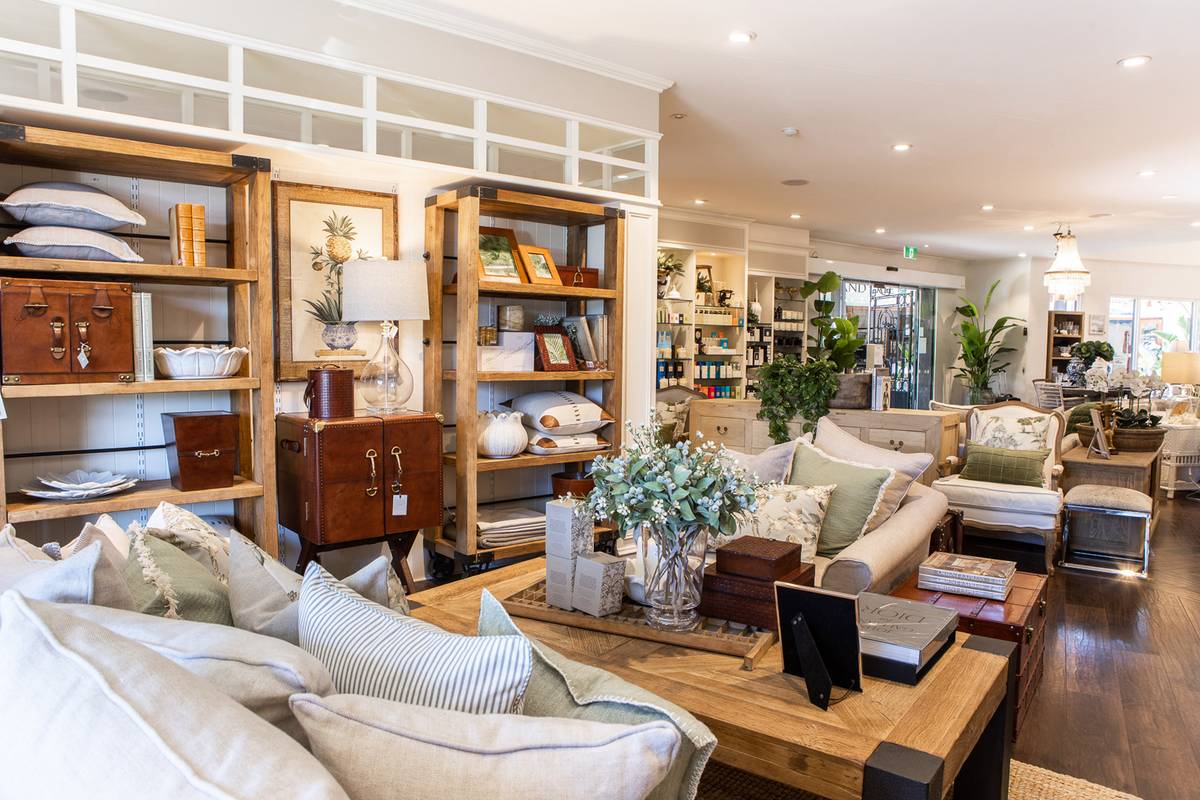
<point x="371" y="456"/>
<point x="1042" y="607"/>
<point x="1028" y="634"/>
<point x="896" y="445"/>
<point x="207" y="453"/>
<point x="722" y="430"/>
<point x="290" y="444"/>
<point x="399" y="470"/>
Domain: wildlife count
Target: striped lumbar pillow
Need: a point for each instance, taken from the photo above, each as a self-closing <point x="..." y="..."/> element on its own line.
<point x="374" y="651"/>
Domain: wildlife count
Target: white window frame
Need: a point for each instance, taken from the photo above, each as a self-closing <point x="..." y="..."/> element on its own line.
<point x="1193" y="331"/>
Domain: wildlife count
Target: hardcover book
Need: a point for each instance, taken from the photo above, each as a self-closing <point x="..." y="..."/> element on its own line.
<point x="978" y="570"/>
<point x="902" y="630"/>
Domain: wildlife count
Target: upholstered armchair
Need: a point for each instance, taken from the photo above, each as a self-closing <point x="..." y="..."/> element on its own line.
<point x="1027" y="514"/>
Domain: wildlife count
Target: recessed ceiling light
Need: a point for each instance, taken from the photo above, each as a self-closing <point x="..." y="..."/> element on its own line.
<point x="742" y="37"/>
<point x="795" y="216"/>
<point x="1027" y="228"/>
<point x="699" y="201"/>
<point x="1196" y="224"/>
<point x="902" y="147"/>
<point x="624" y="177"/>
<point x="829" y="261"/>
<point x="1170" y="197"/>
<point x="1100" y="215"/>
<point x="1146" y="173"/>
<point x="795" y="182"/>
<point x="790" y="131"/>
<point x="679" y="115"/>
<point x="1022" y="255"/>
<point x="986" y="207"/>
<point x="1132" y="62"/>
<point x="881" y="230"/>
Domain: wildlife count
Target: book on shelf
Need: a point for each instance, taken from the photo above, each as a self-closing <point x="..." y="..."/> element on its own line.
<point x="187" y="229"/>
<point x="581" y="334"/>
<point x="143" y="337"/>
<point x="902" y="630"/>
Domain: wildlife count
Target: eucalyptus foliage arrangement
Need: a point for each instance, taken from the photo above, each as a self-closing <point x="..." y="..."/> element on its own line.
<point x="672" y="488"/>
<point x="788" y="388"/>
<point x="982" y="347"/>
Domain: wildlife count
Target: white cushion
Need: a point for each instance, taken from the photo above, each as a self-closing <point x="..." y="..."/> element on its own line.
<point x="372" y="650"/>
<point x="115" y="533"/>
<point x="560" y="412"/>
<point x="85" y="577"/>
<point x="909" y="467"/>
<point x="53" y="241"/>
<point x="773" y="464"/>
<point x="1001" y="496"/>
<point x="264" y="594"/>
<point x="258" y="672"/>
<point x="73" y="205"/>
<point x="787" y="513"/>
<point x="382" y="750"/>
<point x="548" y="444"/>
<point x="90" y="715"/>
<point x="93" y="533"/>
<point x="192" y="535"/>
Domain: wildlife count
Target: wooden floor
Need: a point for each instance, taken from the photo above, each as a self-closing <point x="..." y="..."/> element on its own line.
<point x="1120" y="701"/>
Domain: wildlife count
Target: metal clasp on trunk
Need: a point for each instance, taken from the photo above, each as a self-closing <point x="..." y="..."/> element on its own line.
<point x="371" y="456"/>
<point x="399" y="470"/>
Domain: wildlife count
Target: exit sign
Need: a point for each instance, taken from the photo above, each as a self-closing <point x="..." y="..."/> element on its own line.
<point x="910" y="252"/>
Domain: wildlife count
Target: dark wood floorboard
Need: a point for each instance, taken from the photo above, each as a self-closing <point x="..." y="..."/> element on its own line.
<point x="1120" y="701"/>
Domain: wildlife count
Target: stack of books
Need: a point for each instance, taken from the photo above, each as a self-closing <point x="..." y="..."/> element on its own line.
<point x="977" y="577"/>
<point x="900" y="639"/>
<point x="186" y="221"/>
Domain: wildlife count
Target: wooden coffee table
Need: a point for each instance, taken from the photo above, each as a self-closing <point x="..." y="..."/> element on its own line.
<point x="888" y="741"/>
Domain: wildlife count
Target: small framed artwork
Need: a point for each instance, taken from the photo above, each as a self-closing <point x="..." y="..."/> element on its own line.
<point x="1099" y="443"/>
<point x="1097" y="325"/>
<point x="499" y="256"/>
<point x="539" y="265"/>
<point x="553" y="349"/>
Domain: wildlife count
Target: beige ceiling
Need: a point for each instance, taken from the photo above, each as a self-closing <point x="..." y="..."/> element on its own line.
<point x="1018" y="104"/>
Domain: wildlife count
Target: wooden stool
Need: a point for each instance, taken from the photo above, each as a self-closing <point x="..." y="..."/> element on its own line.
<point x="1109" y="501"/>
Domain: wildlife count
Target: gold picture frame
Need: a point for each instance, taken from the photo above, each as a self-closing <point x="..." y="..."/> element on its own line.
<point x="539" y="265"/>
<point x="500" y="256"/>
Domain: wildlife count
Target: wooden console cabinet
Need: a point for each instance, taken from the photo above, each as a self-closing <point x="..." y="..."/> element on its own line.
<point x="735" y="424"/>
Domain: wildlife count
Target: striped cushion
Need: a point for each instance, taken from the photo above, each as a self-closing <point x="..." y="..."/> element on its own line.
<point x="374" y="651"/>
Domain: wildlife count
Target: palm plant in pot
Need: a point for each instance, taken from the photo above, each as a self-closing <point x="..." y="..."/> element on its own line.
<point x="982" y="347"/>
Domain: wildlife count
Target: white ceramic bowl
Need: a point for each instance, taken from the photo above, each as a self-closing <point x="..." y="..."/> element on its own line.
<point x="192" y="363"/>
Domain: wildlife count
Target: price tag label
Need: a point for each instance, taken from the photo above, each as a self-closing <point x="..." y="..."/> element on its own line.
<point x="83" y="359"/>
<point x="399" y="505"/>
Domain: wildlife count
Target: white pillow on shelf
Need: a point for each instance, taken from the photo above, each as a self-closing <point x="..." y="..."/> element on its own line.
<point x="560" y="412"/>
<point x="549" y="444"/>
<point x="55" y="241"/>
<point x="71" y="205"/>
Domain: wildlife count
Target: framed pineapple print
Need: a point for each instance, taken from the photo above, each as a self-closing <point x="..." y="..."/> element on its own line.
<point x="317" y="230"/>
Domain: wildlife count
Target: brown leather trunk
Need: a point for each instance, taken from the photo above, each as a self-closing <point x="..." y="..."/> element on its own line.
<point x="358" y="478"/>
<point x="202" y="448"/>
<point x="65" y="331"/>
<point x="750" y="601"/>
<point x="1020" y="618"/>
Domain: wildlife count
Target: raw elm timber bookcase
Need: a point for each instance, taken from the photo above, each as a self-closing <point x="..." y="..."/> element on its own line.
<point x="247" y="276"/>
<point x="460" y="302"/>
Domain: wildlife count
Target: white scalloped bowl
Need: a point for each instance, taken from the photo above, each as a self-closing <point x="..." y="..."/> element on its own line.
<point x="199" y="363"/>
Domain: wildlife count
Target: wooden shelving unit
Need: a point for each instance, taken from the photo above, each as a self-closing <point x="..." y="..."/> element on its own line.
<point x="460" y="211"/>
<point x="248" y="278"/>
<point x="1063" y="329"/>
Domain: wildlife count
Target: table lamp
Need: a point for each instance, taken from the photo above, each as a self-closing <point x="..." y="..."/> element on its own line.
<point x="384" y="291"/>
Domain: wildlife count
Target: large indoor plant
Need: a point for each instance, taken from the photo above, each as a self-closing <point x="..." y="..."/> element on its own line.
<point x="673" y="496"/>
<point x="788" y="389"/>
<point x="982" y="347"/>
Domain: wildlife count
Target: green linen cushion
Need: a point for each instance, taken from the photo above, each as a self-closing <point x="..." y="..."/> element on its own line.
<point x="167" y="582"/>
<point x="860" y="490"/>
<point x="560" y="687"/>
<point x="1080" y="415"/>
<point x="1000" y="465"/>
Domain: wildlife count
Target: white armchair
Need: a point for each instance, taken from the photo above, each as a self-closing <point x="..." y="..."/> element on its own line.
<point x="1028" y="514"/>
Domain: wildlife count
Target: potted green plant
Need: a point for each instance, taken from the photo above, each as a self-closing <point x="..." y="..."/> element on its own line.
<point x="788" y="389"/>
<point x="836" y="339"/>
<point x="670" y="267"/>
<point x="1129" y="425"/>
<point x="982" y="347"/>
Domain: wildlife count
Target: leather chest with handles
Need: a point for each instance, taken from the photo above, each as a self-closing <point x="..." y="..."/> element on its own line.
<point x="359" y="478"/>
<point x="65" y="331"/>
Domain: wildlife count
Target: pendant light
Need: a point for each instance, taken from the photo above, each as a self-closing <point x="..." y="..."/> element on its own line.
<point x="1067" y="277"/>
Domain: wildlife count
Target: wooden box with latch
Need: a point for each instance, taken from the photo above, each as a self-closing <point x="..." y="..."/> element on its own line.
<point x="202" y="448"/>
<point x="65" y="331"/>
<point x="360" y="478"/>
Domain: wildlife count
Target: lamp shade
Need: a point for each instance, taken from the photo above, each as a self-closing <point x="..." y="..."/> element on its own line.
<point x="1181" y="367"/>
<point x="377" y="290"/>
<point x="1067" y="277"/>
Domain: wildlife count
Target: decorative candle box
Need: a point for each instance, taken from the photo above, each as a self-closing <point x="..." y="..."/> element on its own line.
<point x="570" y="529"/>
<point x="560" y="581"/>
<point x="599" y="584"/>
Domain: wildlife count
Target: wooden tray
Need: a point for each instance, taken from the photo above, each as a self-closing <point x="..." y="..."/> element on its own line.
<point x="712" y="635"/>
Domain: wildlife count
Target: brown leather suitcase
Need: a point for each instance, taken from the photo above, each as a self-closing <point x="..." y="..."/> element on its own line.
<point x="358" y="478"/>
<point x="65" y="331"/>
<point x="202" y="448"/>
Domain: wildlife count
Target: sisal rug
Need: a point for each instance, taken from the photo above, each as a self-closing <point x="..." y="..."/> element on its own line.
<point x="1025" y="782"/>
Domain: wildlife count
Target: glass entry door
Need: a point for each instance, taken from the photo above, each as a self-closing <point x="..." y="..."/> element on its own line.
<point x="901" y="320"/>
